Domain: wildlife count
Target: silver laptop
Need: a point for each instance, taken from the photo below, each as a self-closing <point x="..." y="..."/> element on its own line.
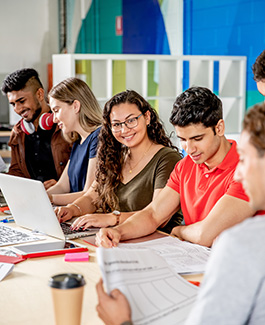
<point x="31" y="208"/>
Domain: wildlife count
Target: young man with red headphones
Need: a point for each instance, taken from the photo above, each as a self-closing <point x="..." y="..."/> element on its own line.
<point x="39" y="150"/>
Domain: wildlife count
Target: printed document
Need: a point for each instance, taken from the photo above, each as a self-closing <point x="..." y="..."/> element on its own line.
<point x="182" y="256"/>
<point x="156" y="293"/>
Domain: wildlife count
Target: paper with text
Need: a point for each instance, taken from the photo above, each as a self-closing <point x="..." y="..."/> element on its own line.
<point x="155" y="292"/>
<point x="183" y="256"/>
<point x="11" y="235"/>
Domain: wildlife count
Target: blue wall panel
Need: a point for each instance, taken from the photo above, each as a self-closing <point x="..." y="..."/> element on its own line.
<point x="211" y="27"/>
<point x="143" y="28"/>
<point x="214" y="27"/>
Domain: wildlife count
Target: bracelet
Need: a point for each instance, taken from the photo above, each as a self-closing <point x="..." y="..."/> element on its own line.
<point x="118" y="215"/>
<point x="128" y="322"/>
<point x="78" y="207"/>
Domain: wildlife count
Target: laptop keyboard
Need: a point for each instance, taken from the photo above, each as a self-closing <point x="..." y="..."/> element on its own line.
<point x="2" y="200"/>
<point x="10" y="236"/>
<point x="72" y="234"/>
<point x="68" y="231"/>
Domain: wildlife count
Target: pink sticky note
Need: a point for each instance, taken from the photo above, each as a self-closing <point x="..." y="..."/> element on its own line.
<point x="76" y="257"/>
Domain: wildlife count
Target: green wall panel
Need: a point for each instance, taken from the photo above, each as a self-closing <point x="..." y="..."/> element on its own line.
<point x="253" y="97"/>
<point x="119" y="76"/>
<point x="83" y="67"/>
<point x="98" y="33"/>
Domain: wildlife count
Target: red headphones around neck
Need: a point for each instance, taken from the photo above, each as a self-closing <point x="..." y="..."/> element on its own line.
<point x="45" y="122"/>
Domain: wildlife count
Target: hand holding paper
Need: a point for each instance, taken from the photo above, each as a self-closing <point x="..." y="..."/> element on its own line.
<point x="155" y="292"/>
<point x="114" y="307"/>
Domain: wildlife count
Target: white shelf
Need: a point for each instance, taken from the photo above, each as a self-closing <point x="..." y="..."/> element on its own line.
<point x="168" y="74"/>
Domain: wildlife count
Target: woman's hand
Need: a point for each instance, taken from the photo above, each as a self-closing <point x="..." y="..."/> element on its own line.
<point x="97" y="220"/>
<point x="65" y="213"/>
<point x="49" y="183"/>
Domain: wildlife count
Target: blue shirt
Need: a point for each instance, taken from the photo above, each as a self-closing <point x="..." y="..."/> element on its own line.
<point x="79" y="160"/>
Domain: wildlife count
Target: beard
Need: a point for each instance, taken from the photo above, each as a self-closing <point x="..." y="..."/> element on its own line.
<point x="36" y="114"/>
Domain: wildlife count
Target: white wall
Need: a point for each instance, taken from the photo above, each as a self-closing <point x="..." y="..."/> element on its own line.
<point x="28" y="35"/>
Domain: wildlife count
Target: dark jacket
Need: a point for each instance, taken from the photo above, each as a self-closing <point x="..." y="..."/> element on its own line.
<point x="60" y="150"/>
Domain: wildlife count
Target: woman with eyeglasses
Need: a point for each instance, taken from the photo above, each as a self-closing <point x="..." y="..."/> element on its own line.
<point x="134" y="161"/>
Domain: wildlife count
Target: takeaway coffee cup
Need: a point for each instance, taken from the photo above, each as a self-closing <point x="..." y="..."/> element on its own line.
<point x="67" y="292"/>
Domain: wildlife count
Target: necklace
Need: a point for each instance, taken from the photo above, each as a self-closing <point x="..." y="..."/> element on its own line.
<point x="131" y="168"/>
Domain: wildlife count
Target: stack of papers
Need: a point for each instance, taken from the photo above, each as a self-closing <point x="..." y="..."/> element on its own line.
<point x="156" y="293"/>
<point x="182" y="256"/>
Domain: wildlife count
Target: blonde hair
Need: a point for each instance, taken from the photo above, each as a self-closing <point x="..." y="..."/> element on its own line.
<point x="71" y="89"/>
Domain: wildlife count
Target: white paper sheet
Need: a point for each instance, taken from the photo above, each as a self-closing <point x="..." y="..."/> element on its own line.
<point x="157" y="295"/>
<point x="11" y="235"/>
<point x="182" y="256"/>
<point x="5" y="269"/>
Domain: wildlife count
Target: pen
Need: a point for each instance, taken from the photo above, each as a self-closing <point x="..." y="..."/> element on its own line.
<point x="7" y="220"/>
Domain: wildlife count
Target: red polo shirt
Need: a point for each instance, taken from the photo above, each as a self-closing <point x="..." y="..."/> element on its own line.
<point x="200" y="188"/>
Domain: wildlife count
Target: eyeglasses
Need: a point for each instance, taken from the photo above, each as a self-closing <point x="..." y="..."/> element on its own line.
<point x="130" y="124"/>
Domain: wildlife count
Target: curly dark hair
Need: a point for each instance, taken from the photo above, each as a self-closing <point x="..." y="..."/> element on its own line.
<point x="197" y="105"/>
<point x="111" y="153"/>
<point x="19" y="79"/>
<point x="258" y="67"/>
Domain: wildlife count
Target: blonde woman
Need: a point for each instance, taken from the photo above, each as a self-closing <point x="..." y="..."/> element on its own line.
<point x="78" y="114"/>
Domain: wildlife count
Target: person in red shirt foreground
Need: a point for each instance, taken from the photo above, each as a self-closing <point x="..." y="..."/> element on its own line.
<point x="202" y="183"/>
<point x="232" y="291"/>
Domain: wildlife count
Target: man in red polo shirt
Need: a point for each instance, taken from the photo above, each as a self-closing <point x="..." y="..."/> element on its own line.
<point x="202" y="183"/>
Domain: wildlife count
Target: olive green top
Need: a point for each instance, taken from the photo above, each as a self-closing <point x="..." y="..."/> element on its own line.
<point x="138" y="192"/>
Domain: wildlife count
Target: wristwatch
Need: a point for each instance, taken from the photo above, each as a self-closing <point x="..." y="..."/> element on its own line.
<point x="117" y="214"/>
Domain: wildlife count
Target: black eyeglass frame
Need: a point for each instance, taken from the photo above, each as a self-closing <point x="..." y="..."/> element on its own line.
<point x="125" y="123"/>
